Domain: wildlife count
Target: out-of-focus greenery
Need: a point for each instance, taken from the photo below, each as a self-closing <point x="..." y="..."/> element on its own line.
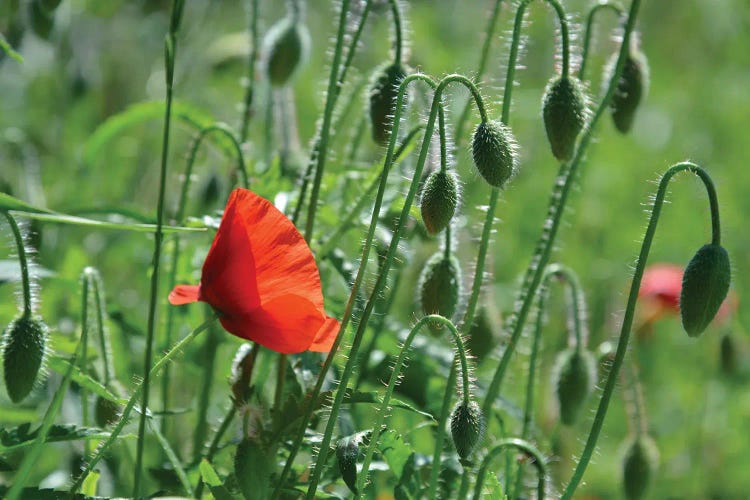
<point x="102" y="57"/>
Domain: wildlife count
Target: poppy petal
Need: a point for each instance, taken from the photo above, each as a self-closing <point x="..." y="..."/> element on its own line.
<point x="284" y="264"/>
<point x="229" y="281"/>
<point x="326" y="336"/>
<point x="286" y="324"/>
<point x="184" y="294"/>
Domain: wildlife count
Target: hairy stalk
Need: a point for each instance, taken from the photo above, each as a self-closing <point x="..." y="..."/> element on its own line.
<point x="118" y="428"/>
<point x="445" y="411"/>
<point x="558" y="200"/>
<point x="521" y="445"/>
<point x="209" y="350"/>
<point x="398" y="32"/>
<point x="604" y="4"/>
<point x="627" y="321"/>
<point x="395" y="374"/>
<point x="313" y="396"/>
<point x="489" y="33"/>
<point x="24" y="263"/>
<point x="380" y="283"/>
<point x="170" y="51"/>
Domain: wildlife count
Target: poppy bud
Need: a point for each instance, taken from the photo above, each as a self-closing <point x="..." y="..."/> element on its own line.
<point x="631" y="87"/>
<point x="639" y="465"/>
<point x="285" y="46"/>
<point x="494" y="150"/>
<point x="383" y="95"/>
<point x="705" y="284"/>
<point x="25" y="340"/>
<point x="252" y="468"/>
<point x="564" y="112"/>
<point x="440" y="285"/>
<point x="439" y="200"/>
<point x="573" y="378"/>
<point x="467" y="427"/>
<point x="106" y="412"/>
<point x="347" y="451"/>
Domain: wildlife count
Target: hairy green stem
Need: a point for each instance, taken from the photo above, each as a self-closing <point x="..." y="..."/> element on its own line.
<point x="604" y="4"/>
<point x="118" y="428"/>
<point x="24" y="263"/>
<point x="170" y="50"/>
<point x="250" y="89"/>
<point x="521" y="445"/>
<point x="445" y="411"/>
<point x="558" y="200"/>
<point x="398" y="32"/>
<point x="396" y="373"/>
<point x="627" y="321"/>
<point x="208" y="362"/>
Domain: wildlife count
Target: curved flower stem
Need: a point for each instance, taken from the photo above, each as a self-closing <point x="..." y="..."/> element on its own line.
<point x="627" y="321"/>
<point x="522" y="445"/>
<point x="576" y="301"/>
<point x="440" y="432"/>
<point x="398" y="31"/>
<point x="250" y="89"/>
<point x="603" y="4"/>
<point x="170" y="52"/>
<point x="133" y="399"/>
<point x="313" y="396"/>
<point x="558" y="200"/>
<point x="24" y="263"/>
<point x="489" y="33"/>
<point x="396" y="373"/>
<point x="380" y="283"/>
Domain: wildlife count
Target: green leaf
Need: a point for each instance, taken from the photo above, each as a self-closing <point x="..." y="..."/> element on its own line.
<point x="352" y="397"/>
<point x="61" y="365"/>
<point x="88" y="488"/>
<point x="395" y="451"/>
<point x="212" y="480"/>
<point x="492" y="489"/>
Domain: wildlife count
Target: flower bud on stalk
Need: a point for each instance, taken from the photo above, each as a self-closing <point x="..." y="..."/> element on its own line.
<point x="25" y="345"/>
<point x="705" y="285"/>
<point x="564" y="111"/>
<point x="631" y="87"/>
<point x="383" y="95"/>
<point x="286" y="46"/>
<point x="440" y="285"/>
<point x="439" y="200"/>
<point x="467" y="427"/>
<point x="639" y="465"/>
<point x="494" y="151"/>
<point x="574" y="378"/>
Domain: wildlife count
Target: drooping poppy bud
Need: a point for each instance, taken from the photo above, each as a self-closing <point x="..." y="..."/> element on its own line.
<point x="564" y="112"/>
<point x="574" y="378"/>
<point x="439" y="200"/>
<point x="639" y="466"/>
<point x="25" y="345"/>
<point x="285" y="48"/>
<point x="440" y="285"/>
<point x="347" y="452"/>
<point x="261" y="276"/>
<point x="383" y="95"/>
<point x="705" y="285"/>
<point x="631" y="87"/>
<point x="494" y="151"/>
<point x="467" y="427"/>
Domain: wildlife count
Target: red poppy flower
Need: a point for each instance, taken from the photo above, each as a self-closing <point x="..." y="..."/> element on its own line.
<point x="262" y="278"/>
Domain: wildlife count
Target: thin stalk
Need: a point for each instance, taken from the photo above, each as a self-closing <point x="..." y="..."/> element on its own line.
<point x="380" y="283"/>
<point x="209" y="350"/>
<point x="604" y="4"/>
<point x="396" y="373"/>
<point x="170" y="52"/>
<point x="445" y="411"/>
<point x="489" y="33"/>
<point x="637" y="412"/>
<point x="85" y="417"/>
<point x="118" y="428"/>
<point x="249" y="90"/>
<point x="627" y="322"/>
<point x="398" y="32"/>
<point x="521" y="445"/>
<point x="558" y="200"/>
<point x="24" y="263"/>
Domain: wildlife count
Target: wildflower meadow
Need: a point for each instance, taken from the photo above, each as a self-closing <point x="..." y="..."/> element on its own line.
<point x="382" y="249"/>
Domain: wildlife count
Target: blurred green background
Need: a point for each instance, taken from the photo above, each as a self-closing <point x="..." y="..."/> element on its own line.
<point x="98" y="58"/>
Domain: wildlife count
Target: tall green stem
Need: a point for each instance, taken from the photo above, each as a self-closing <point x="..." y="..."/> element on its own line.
<point x="396" y="373"/>
<point x="558" y="200"/>
<point x="627" y="321"/>
<point x="440" y="431"/>
<point x="170" y="50"/>
<point x="250" y="89"/>
<point x="398" y="32"/>
<point x="24" y="263"/>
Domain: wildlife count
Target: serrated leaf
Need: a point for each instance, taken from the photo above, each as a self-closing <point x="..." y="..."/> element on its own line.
<point x="21" y="436"/>
<point x="395" y="451"/>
